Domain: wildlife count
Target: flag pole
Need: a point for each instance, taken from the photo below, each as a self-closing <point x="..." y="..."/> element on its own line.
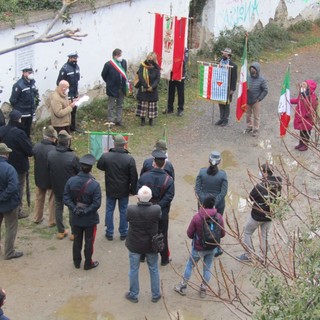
<point x="108" y="124"/>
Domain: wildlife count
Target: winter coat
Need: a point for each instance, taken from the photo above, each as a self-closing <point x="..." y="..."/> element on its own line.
<point x="2" y="119"/>
<point x="90" y="197"/>
<point x="212" y="185"/>
<point x="24" y="93"/>
<point x="60" y="109"/>
<point x="9" y="187"/>
<point x="41" y="173"/>
<point x="161" y="194"/>
<point x="306" y="109"/>
<point x="2" y="316"/>
<point x="71" y="73"/>
<point x="62" y="164"/>
<point x="17" y="140"/>
<point x="195" y="227"/>
<point x="113" y="79"/>
<point x="143" y="221"/>
<point x="257" y="86"/>
<point x="153" y="71"/>
<point x="120" y="172"/>
<point x="147" y="166"/>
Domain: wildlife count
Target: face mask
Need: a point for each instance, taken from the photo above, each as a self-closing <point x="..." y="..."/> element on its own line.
<point x="66" y="92"/>
<point x="302" y="90"/>
<point x="119" y="59"/>
<point x="224" y="58"/>
<point x="30" y="76"/>
<point x="260" y="174"/>
<point x="74" y="62"/>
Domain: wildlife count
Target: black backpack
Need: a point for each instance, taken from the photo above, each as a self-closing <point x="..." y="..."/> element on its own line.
<point x="211" y="233"/>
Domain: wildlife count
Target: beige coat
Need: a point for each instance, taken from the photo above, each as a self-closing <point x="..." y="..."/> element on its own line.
<point x="60" y="109"/>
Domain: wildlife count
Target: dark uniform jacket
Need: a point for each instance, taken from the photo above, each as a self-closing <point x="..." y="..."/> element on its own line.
<point x="120" y="172"/>
<point x="41" y="173"/>
<point x="71" y="73"/>
<point x="162" y="193"/>
<point x="23" y="96"/>
<point x="17" y="140"/>
<point x="147" y="166"/>
<point x="2" y="316"/>
<point x="9" y="187"/>
<point x="143" y="221"/>
<point x="113" y="79"/>
<point x="90" y="197"/>
<point x="62" y="164"/>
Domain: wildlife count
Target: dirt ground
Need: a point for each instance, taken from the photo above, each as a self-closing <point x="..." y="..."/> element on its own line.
<point x="45" y="285"/>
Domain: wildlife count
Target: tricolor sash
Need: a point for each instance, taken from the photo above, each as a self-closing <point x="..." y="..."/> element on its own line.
<point x="122" y="73"/>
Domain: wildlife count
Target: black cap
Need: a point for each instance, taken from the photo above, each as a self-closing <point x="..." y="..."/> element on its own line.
<point x="88" y="160"/>
<point x="15" y="115"/>
<point x="157" y="154"/>
<point x="27" y="69"/>
<point x="73" y="54"/>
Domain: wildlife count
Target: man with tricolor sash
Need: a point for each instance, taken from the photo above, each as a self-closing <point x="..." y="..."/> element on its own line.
<point x="114" y="75"/>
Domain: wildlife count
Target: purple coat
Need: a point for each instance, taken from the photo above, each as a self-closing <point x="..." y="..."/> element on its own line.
<point x="306" y="108"/>
<point x="195" y="227"/>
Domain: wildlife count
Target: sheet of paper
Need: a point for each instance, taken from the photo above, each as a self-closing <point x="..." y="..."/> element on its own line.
<point x="83" y="99"/>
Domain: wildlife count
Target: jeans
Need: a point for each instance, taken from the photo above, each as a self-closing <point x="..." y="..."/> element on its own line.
<point x="152" y="261"/>
<point x="110" y="206"/>
<point x="250" y="228"/>
<point x="207" y="257"/>
<point x="115" y="103"/>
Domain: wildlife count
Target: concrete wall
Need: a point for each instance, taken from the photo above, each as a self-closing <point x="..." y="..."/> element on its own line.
<point x="126" y="25"/>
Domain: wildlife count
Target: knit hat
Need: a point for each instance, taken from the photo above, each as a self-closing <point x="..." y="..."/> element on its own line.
<point x="88" y="160"/>
<point x="215" y="158"/>
<point x="144" y="194"/>
<point x="50" y="132"/>
<point x="15" y="115"/>
<point x="4" y="149"/>
<point x="161" y="145"/>
<point x="119" y="140"/>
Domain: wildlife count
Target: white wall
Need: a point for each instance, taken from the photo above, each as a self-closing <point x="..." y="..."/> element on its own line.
<point x="127" y="26"/>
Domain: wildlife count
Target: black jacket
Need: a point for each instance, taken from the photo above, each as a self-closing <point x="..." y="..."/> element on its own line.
<point x="91" y="197"/>
<point x="113" y="79"/>
<point x="17" y="140"/>
<point x="147" y="166"/>
<point x="143" y="221"/>
<point x="62" y="165"/>
<point x="154" y="79"/>
<point x="23" y="96"/>
<point x="120" y="172"/>
<point x="71" y="73"/>
<point x="41" y="173"/>
<point x="162" y="193"/>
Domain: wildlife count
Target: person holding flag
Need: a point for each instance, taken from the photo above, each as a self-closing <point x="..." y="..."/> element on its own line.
<point x="114" y="75"/>
<point x="305" y="112"/>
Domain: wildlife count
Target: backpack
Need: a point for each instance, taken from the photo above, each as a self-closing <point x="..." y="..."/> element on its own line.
<point x="211" y="233"/>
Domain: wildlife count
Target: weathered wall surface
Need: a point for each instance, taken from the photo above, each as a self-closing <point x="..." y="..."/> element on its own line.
<point x="126" y="25"/>
<point x="220" y="15"/>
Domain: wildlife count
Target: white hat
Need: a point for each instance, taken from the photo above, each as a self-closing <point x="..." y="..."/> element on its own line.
<point x="144" y="194"/>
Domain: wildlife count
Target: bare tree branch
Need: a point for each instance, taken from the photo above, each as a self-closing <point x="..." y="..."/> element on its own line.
<point x="46" y="36"/>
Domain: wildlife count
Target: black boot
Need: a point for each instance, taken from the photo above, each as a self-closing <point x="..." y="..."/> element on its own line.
<point x="143" y="122"/>
<point x="150" y="122"/>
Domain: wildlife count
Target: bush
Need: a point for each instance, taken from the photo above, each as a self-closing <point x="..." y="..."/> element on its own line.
<point x="301" y="26"/>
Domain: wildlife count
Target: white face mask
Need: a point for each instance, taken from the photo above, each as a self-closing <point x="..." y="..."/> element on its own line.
<point x="66" y="92"/>
<point x="119" y="59"/>
<point x="302" y="90"/>
<point x="30" y="76"/>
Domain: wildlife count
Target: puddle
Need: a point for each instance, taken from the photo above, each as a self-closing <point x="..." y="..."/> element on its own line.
<point x="228" y="160"/>
<point x="79" y="308"/>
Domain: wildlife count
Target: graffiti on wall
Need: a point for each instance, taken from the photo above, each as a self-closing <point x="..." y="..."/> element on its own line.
<point x="239" y="13"/>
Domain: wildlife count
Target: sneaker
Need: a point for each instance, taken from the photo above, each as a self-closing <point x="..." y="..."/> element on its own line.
<point x="303" y="148"/>
<point x="23" y="215"/>
<point x="202" y="291"/>
<point x="244" y="258"/>
<point x="248" y="130"/>
<point x="109" y="237"/>
<point x="218" y="252"/>
<point x="180" y="288"/>
<point x="122" y="238"/>
<point x="132" y="299"/>
<point x="15" y="255"/>
<point x="180" y="113"/>
<point x="155" y="300"/>
<point x="94" y="264"/>
<point x="62" y="235"/>
<point x="254" y="132"/>
<point x="219" y="123"/>
<point x="224" y="124"/>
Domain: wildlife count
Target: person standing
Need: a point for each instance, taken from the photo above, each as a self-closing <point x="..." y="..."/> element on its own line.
<point x="25" y="98"/>
<point x="257" y="91"/>
<point x="262" y="196"/>
<point x="62" y="165"/>
<point x="16" y="139"/>
<point x="305" y="112"/>
<point x="61" y="108"/>
<point x="120" y="181"/>
<point x="114" y="75"/>
<point x="143" y="219"/>
<point x="224" y="109"/>
<point x="160" y="145"/>
<point x="147" y="96"/>
<point x="179" y="85"/>
<point x="9" y="202"/>
<point x="70" y="72"/>
<point x="82" y="195"/>
<point x="42" y="177"/>
<point x="198" y="252"/>
<point x="162" y="187"/>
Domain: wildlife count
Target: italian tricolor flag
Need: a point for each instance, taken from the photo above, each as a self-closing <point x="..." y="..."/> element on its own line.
<point x="284" y="104"/>
<point x="242" y="88"/>
<point x="169" y="44"/>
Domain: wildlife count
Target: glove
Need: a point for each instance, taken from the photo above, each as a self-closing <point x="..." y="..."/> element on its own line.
<point x="78" y="211"/>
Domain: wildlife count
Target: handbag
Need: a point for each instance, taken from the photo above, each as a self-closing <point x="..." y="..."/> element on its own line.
<point x="157" y="243"/>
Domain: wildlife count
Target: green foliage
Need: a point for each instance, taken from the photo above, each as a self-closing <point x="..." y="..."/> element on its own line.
<point x="301" y="26"/>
